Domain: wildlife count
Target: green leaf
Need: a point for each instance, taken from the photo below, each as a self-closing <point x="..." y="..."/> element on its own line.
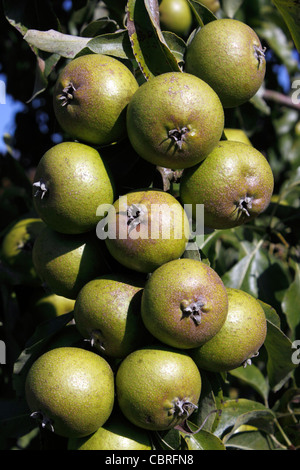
<point x="99" y="26"/>
<point x="201" y="13"/>
<point x="278" y="42"/>
<point x="34" y="348"/>
<point x="244" y="275"/>
<point x="148" y="44"/>
<point x="270" y="313"/>
<point x="290" y="11"/>
<point x="260" y="419"/>
<point x="15" y="418"/>
<point x="290" y="183"/>
<point x="291" y="302"/>
<point x="176" y="45"/>
<point x="114" y="44"/>
<point x="253" y="377"/>
<point x="192" y="251"/>
<point x="211" y="402"/>
<point x="250" y="440"/>
<point x="203" y="440"/>
<point x="279" y="364"/>
<point x="65" y="45"/>
<point x="230" y="7"/>
<point x="242" y="411"/>
<point x="167" y="440"/>
<point x="260" y="104"/>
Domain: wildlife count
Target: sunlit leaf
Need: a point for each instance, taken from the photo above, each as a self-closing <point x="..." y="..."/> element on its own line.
<point x="201" y="13"/>
<point x="253" y="377"/>
<point x="114" y="44"/>
<point x="243" y="411"/>
<point x="230" y="7"/>
<point x="148" y="44"/>
<point x="203" y="440"/>
<point x="290" y="11"/>
<point x="55" y="42"/>
<point x="250" y="440"/>
<point x="291" y="301"/>
<point x="279" y="364"/>
<point x="35" y="345"/>
<point x="244" y="274"/>
<point x="278" y="42"/>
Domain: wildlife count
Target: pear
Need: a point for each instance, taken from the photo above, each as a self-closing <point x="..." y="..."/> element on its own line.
<point x="158" y="388"/>
<point x="234" y="183"/>
<point x="116" y="434"/>
<point x="176" y="16"/>
<point x="108" y="313"/>
<point x="174" y="120"/>
<point x="184" y="303"/>
<point x="70" y="391"/>
<point x="146" y="228"/>
<point x="65" y="263"/>
<point x="228" y="55"/>
<point x="70" y="182"/>
<point x="16" y="250"/>
<point x="90" y="98"/>
<point x="239" y="339"/>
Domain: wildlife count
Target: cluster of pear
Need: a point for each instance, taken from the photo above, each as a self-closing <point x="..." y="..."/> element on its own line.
<point x="152" y="317"/>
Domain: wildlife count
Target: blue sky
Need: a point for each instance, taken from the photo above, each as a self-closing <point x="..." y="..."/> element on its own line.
<point x="8" y="108"/>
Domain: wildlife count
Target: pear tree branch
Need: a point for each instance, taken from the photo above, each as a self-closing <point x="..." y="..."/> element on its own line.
<point x="280" y="98"/>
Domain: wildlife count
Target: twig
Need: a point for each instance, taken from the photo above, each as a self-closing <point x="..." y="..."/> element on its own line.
<point x="280" y="98"/>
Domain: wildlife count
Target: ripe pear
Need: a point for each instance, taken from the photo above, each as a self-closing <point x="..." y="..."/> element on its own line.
<point x="239" y="339"/>
<point x="71" y="181"/>
<point x="65" y="263"/>
<point x="174" y="120"/>
<point x="16" y="250"/>
<point x="184" y="303"/>
<point x="212" y="5"/>
<point x="228" y="55"/>
<point x="175" y="16"/>
<point x="91" y="96"/>
<point x="108" y="312"/>
<point x="116" y="434"/>
<point x="157" y="388"/>
<point x="237" y="135"/>
<point x="70" y="390"/>
<point x="51" y="306"/>
<point x="235" y="183"/>
<point x="146" y="228"/>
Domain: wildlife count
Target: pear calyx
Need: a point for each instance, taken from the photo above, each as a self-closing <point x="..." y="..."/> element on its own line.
<point x="67" y="94"/>
<point x="46" y="422"/>
<point x="194" y="310"/>
<point x="41" y="188"/>
<point x="178" y="135"/>
<point x="244" y="205"/>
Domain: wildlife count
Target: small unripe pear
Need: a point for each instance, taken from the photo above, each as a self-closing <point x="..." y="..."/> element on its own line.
<point x="239" y="339"/>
